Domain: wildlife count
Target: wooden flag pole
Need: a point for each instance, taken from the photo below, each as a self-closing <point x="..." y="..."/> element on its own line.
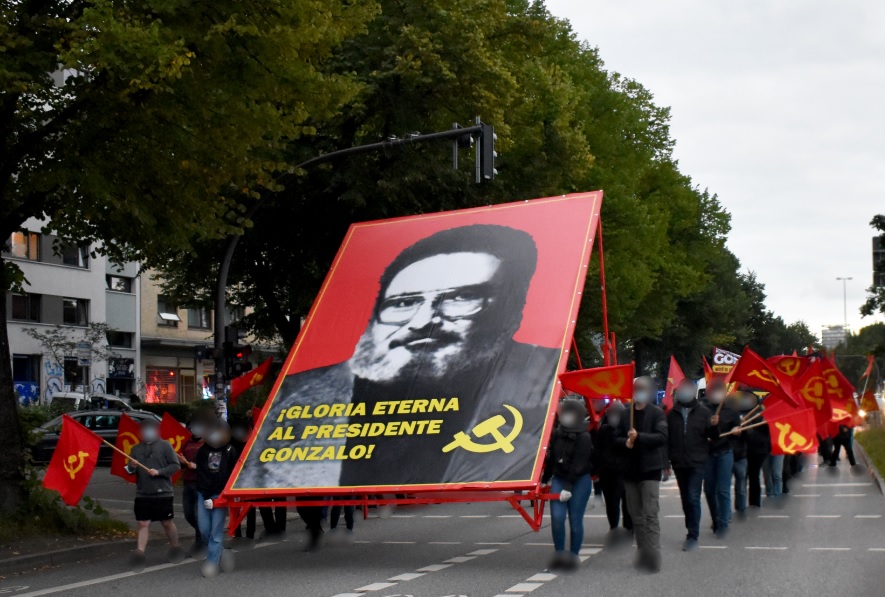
<point x="754" y="409"/>
<point x="759" y="424"/>
<point x="631" y="413"/>
<point x="746" y="421"/>
<point x="125" y="455"/>
<point x="719" y="408"/>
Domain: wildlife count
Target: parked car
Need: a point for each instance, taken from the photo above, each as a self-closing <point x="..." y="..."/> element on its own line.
<point x="103" y="422"/>
<point x="69" y="401"/>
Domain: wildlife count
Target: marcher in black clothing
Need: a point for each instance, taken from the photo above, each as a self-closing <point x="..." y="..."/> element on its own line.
<point x="215" y="464"/>
<point x="720" y="465"/>
<point x="568" y="469"/>
<point x="646" y="445"/>
<point x="610" y="463"/>
<point x="690" y="432"/>
<point x="758" y="440"/>
<point x="843" y="440"/>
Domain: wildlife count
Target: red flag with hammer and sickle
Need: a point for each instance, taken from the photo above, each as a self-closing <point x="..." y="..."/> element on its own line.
<point x="128" y="436"/>
<point x="674" y="377"/>
<point x="73" y="461"/>
<point x="176" y="434"/>
<point x="614" y="382"/>
<point x="240" y="384"/>
<point x="788" y="368"/>
<point x="811" y="390"/>
<point x="793" y="432"/>
<point x="752" y="370"/>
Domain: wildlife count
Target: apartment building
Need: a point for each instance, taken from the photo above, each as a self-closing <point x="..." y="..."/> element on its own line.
<point x="66" y="287"/>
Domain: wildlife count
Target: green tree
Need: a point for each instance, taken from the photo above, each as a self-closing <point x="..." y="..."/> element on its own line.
<point x="876" y="299"/>
<point x="851" y="355"/>
<point x="151" y="125"/>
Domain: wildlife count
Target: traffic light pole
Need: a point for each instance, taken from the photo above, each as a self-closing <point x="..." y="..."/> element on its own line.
<point x="485" y="155"/>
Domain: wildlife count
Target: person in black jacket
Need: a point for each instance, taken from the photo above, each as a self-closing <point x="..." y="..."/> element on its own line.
<point x="758" y="441"/>
<point x="646" y="445"/>
<point x="568" y="466"/>
<point x="739" y="470"/>
<point x="610" y="463"/>
<point x="691" y="430"/>
<point x="843" y="439"/>
<point x="720" y="464"/>
<point x="215" y="463"/>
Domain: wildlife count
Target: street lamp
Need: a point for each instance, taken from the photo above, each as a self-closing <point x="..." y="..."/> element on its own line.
<point x="845" y="302"/>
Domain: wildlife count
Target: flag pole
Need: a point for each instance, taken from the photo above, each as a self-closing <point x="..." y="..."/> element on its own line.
<point x="125" y="455"/>
<point x="759" y="424"/>
<point x="631" y="413"/>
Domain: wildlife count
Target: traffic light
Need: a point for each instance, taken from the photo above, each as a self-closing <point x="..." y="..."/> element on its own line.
<point x="239" y="363"/>
<point x="203" y="352"/>
<point x="487" y="153"/>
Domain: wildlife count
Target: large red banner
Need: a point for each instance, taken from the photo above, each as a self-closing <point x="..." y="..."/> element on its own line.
<point x="430" y="356"/>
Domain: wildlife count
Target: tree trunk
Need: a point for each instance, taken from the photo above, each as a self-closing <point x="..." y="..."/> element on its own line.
<point x="11" y="460"/>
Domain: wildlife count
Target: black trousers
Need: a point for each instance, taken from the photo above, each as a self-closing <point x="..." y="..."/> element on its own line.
<point x="839" y="443"/>
<point x="274" y="519"/>
<point x="754" y="472"/>
<point x="612" y="485"/>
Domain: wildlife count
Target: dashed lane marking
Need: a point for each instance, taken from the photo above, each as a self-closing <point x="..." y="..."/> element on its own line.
<point x="851" y="495"/>
<point x="476" y="516"/>
<point x="444" y="543"/>
<point x="829" y="549"/>
<point x="539" y="544"/>
<point x="376" y="586"/>
<point x="773" y="516"/>
<point x="460" y="559"/>
<point x="876" y="549"/>
<point x="399" y="542"/>
<point x="434" y="567"/>
<point x="482" y="552"/>
<point x="541" y="577"/>
<point x="823" y="516"/>
<point x="837" y="485"/>
<point x="805" y="495"/>
<point x="712" y="547"/>
<point x="524" y="587"/>
<point x="766" y="548"/>
<point x="406" y="576"/>
<point x="868" y="516"/>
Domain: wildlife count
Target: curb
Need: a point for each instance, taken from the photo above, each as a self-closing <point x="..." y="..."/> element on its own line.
<point x="63" y="556"/>
<point x="880" y="482"/>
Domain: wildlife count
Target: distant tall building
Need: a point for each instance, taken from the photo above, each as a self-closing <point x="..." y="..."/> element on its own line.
<point x="833" y="335"/>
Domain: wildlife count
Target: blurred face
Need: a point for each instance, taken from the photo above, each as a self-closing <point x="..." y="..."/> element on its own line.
<point x="642" y="392"/>
<point x="431" y="317"/>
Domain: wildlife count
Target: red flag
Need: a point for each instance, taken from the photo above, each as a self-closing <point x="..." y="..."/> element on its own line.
<point x="601" y="382"/>
<point x="256" y="415"/>
<point x="128" y="435"/>
<point x="73" y="461"/>
<point x="868" y="402"/>
<point x="811" y="390"/>
<point x="752" y="370"/>
<point x="869" y="368"/>
<point x="176" y="434"/>
<point x="249" y="380"/>
<point x="793" y="432"/>
<point x="708" y="371"/>
<point x="788" y="368"/>
<point x="674" y="376"/>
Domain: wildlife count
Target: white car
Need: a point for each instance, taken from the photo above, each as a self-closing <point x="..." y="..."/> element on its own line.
<point x="76" y="401"/>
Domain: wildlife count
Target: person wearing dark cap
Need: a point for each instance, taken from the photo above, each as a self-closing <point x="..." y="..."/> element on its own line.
<point x="758" y="440"/>
<point x="691" y="430"/>
<point x="153" y="462"/>
<point x="720" y="464"/>
<point x="646" y="444"/>
<point x="568" y="472"/>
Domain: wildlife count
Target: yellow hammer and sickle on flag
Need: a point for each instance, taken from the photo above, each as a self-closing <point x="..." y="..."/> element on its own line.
<point x="797" y="441"/>
<point x="129" y="440"/>
<point x="75" y="462"/>
<point x="833" y="383"/>
<point x="492" y="427"/>
<point x="814" y="392"/>
<point x="789" y="366"/>
<point x="256" y="380"/>
<point x="766" y="376"/>
<point x="175" y="441"/>
<point x="605" y="383"/>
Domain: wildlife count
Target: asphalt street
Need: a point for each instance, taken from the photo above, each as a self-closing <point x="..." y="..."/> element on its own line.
<point x="827" y="538"/>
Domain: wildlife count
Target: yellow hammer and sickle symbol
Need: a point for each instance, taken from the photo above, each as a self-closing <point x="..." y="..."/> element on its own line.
<point x="797" y="440"/>
<point x="257" y="379"/>
<point x="606" y="383"/>
<point x="75" y="462"/>
<point x="814" y="392"/>
<point x="833" y="383"/>
<point x="789" y="366"/>
<point x="129" y="441"/>
<point x="176" y="442"/>
<point x="763" y="375"/>
<point x="491" y="427"/>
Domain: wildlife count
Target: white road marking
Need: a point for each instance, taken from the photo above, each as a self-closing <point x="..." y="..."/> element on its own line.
<point x="493" y="543"/>
<point x="349" y="595"/>
<point x="101" y="579"/>
<point x="524" y="587"/>
<point x="444" y="543"/>
<point x="837" y="485"/>
<point x="829" y="549"/>
<point x="674" y="516"/>
<point x="476" y="516"/>
<point x="595" y="516"/>
<point x="438" y="516"/>
<point x="407" y="576"/>
<point x="460" y="559"/>
<point x="399" y="542"/>
<point x="823" y="516"/>
<point x="482" y="552"/>
<point x="773" y="516"/>
<point x="876" y="549"/>
<point x="539" y="544"/>
<point x="712" y="547"/>
<point x="804" y="495"/>
<point x="767" y="548"/>
<point x="868" y="516"/>
<point x="402" y="516"/>
<point x="851" y="495"/>
<point x="589" y="551"/>
<point x="376" y="586"/>
<point x="541" y="577"/>
<point x="434" y="568"/>
<point x="509" y="515"/>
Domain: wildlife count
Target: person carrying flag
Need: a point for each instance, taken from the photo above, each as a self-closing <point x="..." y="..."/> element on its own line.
<point x="153" y="490"/>
<point x="188" y="460"/>
<point x="720" y="464"/>
<point x="215" y="464"/>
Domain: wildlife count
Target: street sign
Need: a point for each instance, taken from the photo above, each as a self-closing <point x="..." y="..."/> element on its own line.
<point x="84" y="354"/>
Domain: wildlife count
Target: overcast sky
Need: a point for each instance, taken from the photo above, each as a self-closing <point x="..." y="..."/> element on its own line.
<point x="778" y="106"/>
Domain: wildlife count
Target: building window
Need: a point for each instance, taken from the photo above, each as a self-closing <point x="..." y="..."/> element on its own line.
<point x="120" y="339"/>
<point x="25" y="367"/>
<point x="74" y="373"/>
<point x="26" y="307"/>
<point x="75" y="311"/>
<point x="161" y="386"/>
<point x="233" y="314"/>
<point x="74" y="255"/>
<point x="167" y="312"/>
<point x="199" y="319"/>
<point x="25" y="245"/>
<point x="119" y="284"/>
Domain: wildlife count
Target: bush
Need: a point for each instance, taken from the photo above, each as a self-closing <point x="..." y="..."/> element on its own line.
<point x="32" y="417"/>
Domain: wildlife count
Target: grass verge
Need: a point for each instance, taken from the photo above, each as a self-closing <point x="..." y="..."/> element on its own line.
<point x="873" y="442"/>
